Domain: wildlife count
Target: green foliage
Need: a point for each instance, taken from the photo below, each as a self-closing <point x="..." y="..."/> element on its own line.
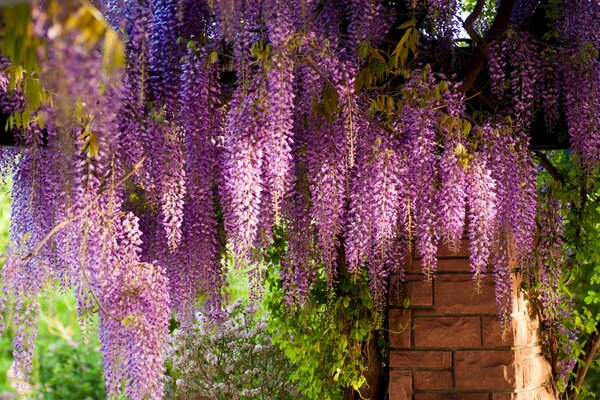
<point x="580" y="198"/>
<point x="6" y="339"/>
<point x="69" y="363"/>
<point x="324" y="338"/>
<point x="71" y="370"/>
<point x="65" y="365"/>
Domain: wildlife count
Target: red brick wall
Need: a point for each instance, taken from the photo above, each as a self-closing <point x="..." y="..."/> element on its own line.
<point x="448" y="343"/>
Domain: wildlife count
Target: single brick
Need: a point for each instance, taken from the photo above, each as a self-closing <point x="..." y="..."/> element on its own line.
<point x="492" y="333"/>
<point x="485" y="370"/>
<point x="420" y="359"/>
<point x="457" y="294"/>
<point x="452" y="396"/>
<point x="400" y="387"/>
<point x="447" y="332"/>
<point x="400" y="328"/>
<point x="444" y="265"/>
<point x="432" y="380"/>
<point x="541" y="393"/>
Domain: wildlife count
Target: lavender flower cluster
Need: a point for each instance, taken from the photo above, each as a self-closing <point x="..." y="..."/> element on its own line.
<point x="566" y="75"/>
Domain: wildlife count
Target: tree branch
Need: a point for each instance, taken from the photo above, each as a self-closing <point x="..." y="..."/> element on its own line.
<point x="468" y="24"/>
<point x="591" y="348"/>
<point x="547" y="164"/>
<point x="496" y="30"/>
<point x="57" y="228"/>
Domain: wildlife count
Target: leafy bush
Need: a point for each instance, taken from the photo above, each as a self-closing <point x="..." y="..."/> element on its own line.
<point x="71" y="370"/>
<point x="64" y="366"/>
<point x="232" y="361"/>
<point x="68" y="367"/>
<point x="324" y="338"/>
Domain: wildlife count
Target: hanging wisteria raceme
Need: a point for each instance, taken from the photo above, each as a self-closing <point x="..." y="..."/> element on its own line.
<point x="518" y="58"/>
<point x="112" y="11"/>
<point x="454" y="163"/>
<point x="419" y="130"/>
<point x="200" y="266"/>
<point x="42" y="193"/>
<point x="24" y="275"/>
<point x="367" y="23"/>
<point x="242" y="179"/>
<point x="298" y="270"/>
<point x="496" y="66"/>
<point x="374" y="210"/>
<point x="195" y="19"/>
<point x="228" y="14"/>
<point x="452" y="195"/>
<point x="581" y="92"/>
<point x="513" y="173"/>
<point x="164" y="71"/>
<point x="516" y="62"/>
<point x="551" y="87"/>
<point x="481" y="200"/>
<point x="555" y="306"/>
<point x="525" y="67"/>
<point x="67" y="180"/>
<point x="327" y="171"/>
<point x="443" y="14"/>
<point x="131" y="120"/>
<point x="135" y="312"/>
<point x="172" y="188"/>
<point x="278" y="139"/>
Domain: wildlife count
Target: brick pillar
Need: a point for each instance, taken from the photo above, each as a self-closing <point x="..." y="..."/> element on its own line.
<point x="447" y="344"/>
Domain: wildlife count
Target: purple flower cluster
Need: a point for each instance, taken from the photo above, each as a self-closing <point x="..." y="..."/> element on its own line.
<point x="556" y="307"/>
<point x="133" y="297"/>
<point x="202" y="119"/>
<point x="243" y="182"/>
<point x="517" y="59"/>
<point x="567" y="76"/>
<point x="419" y="129"/>
<point x="374" y="210"/>
<point x="367" y="22"/>
<point x="131" y="119"/>
<point x="480" y="190"/>
<point x="514" y="174"/>
<point x="164" y="70"/>
<point x="280" y="113"/>
<point x="71" y="177"/>
<point x="452" y="195"/>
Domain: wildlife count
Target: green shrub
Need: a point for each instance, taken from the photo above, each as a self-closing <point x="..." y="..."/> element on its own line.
<point x="71" y="370"/>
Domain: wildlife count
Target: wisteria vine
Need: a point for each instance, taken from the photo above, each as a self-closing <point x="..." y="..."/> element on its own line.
<point x="233" y="124"/>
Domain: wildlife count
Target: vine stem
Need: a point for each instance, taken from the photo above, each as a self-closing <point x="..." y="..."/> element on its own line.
<point x="66" y="222"/>
<point x="468" y="24"/>
<point x="591" y="349"/>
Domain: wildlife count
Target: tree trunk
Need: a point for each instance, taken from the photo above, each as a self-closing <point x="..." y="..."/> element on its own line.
<point x="373" y="389"/>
